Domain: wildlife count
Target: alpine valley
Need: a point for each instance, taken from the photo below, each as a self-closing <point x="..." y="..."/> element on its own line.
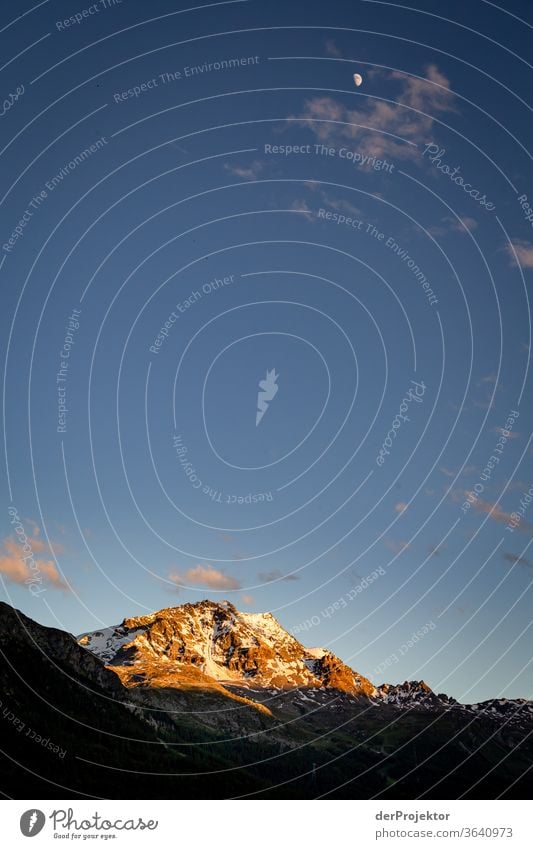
<point x="203" y="701"/>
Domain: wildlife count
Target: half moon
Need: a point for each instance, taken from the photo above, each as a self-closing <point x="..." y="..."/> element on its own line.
<point x="357" y="78"/>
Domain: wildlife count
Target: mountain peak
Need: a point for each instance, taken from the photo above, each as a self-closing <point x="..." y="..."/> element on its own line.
<point x="222" y="643"/>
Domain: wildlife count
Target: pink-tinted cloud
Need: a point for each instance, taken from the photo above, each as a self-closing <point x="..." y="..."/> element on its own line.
<point x="453" y="225"/>
<point x="382" y="128"/>
<point x="401" y="507"/>
<point x="205" y="576"/>
<point x="397" y="545"/>
<point x="19" y="564"/>
<point x="521" y="253"/>
<point x="495" y="512"/>
<point x="247" y="599"/>
<point x="509" y="434"/>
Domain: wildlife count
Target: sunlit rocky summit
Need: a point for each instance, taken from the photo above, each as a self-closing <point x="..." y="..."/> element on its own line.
<point x="212" y="642"/>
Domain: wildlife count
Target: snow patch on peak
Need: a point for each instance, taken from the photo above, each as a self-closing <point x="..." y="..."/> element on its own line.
<point x="106" y="643"/>
<point x="317" y="653"/>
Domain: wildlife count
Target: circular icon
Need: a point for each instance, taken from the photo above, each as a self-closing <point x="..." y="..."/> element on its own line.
<point x="32" y="822"/>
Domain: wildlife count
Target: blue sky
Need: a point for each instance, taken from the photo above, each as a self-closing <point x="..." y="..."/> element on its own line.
<point x="370" y="244"/>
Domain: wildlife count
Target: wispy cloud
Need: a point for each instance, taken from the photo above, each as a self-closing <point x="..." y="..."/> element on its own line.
<point x="332" y="49"/>
<point x="397" y="545"/>
<point x="379" y="127"/>
<point x="276" y="575"/>
<point x="301" y="205"/>
<point x="205" y="576"/>
<point x="436" y="550"/>
<point x="338" y="204"/>
<point x="495" y="512"/>
<point x="516" y="559"/>
<point x="401" y="507"/>
<point x="487" y="378"/>
<point x="452" y="473"/>
<point x="510" y="434"/>
<point x="522" y="251"/>
<point x="247" y="172"/>
<point x="453" y="225"/>
<point x="247" y="599"/>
